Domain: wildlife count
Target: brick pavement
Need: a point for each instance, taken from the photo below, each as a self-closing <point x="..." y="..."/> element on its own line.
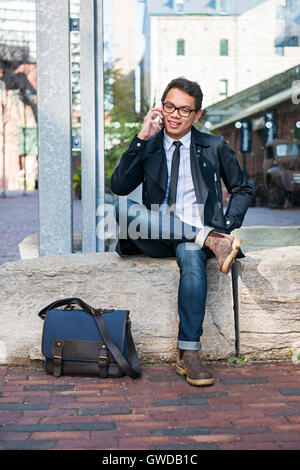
<point x="19" y="218"/>
<point x="250" y="407"/>
<point x="254" y="407"/>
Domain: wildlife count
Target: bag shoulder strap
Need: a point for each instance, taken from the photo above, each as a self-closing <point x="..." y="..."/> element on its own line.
<point x="134" y="370"/>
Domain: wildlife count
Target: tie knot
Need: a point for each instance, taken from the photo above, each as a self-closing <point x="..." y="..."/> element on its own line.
<point x="177" y="143"/>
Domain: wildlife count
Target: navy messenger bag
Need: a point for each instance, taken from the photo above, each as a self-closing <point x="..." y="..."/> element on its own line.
<point x="87" y="341"/>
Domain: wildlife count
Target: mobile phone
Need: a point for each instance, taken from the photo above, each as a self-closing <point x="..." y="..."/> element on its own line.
<point x="158" y="120"/>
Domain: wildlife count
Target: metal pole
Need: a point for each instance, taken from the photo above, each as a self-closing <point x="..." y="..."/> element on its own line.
<point x="100" y="166"/>
<point x="25" y="150"/>
<point x="88" y="125"/>
<point x="235" y="295"/>
<point x="3" y="91"/>
<point x="54" y="130"/>
<point x="92" y="125"/>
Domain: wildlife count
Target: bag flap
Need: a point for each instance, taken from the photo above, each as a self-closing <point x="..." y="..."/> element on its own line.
<point x="80" y="325"/>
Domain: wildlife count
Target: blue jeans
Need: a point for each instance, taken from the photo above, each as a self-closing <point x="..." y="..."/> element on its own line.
<point x="173" y="239"/>
<point x="192" y="294"/>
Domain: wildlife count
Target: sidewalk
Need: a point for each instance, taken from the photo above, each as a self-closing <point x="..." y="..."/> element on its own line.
<point x="254" y="406"/>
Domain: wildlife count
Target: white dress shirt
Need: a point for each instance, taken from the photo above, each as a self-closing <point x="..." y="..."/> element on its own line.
<point x="186" y="202"/>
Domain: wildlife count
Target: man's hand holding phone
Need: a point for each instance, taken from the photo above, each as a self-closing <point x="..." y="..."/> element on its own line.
<point x="152" y="124"/>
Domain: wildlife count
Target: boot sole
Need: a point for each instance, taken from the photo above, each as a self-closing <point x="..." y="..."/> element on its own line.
<point x="230" y="258"/>
<point x="197" y="382"/>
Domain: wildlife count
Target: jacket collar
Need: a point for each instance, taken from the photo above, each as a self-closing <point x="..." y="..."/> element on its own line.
<point x="200" y="138"/>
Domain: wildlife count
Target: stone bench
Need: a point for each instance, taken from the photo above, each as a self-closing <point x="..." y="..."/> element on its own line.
<point x="269" y="302"/>
<point x="254" y="238"/>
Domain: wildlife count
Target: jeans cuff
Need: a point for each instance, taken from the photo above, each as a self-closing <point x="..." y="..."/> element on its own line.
<point x="189" y="345"/>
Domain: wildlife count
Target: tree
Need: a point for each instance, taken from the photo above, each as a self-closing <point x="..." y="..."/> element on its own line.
<point x="11" y="58"/>
<point x="122" y="122"/>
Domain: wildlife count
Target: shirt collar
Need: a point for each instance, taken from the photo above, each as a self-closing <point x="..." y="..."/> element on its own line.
<point x="185" y="140"/>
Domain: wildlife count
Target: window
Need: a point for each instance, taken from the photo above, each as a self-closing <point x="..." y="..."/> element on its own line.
<point x="179" y="6"/>
<point x="279" y="51"/>
<point x="223" y="6"/>
<point x="180" y="47"/>
<point x="287" y="150"/>
<point x="224" y="47"/>
<point x="281" y="12"/>
<point x="223" y="88"/>
<point x="297" y="130"/>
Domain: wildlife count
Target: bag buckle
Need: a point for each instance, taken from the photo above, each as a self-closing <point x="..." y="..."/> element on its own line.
<point x="69" y="307"/>
<point x="100" y="311"/>
<point x="103" y="353"/>
<point x="103" y="357"/>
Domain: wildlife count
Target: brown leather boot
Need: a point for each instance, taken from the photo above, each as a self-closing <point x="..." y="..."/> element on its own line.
<point x="191" y="365"/>
<point x="225" y="248"/>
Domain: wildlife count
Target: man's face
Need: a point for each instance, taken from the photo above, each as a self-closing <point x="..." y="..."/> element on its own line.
<point x="175" y="125"/>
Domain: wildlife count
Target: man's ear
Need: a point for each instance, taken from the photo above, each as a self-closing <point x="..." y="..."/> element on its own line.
<point x="197" y="115"/>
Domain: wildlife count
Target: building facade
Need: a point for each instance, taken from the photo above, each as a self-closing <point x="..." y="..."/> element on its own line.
<point x="17" y="24"/>
<point x="226" y="46"/>
<point x="271" y="110"/>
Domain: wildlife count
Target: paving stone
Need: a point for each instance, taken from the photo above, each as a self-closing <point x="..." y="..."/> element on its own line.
<point x="182" y="447"/>
<point x="28" y="445"/>
<point x="290" y="391"/>
<point x="48" y="388"/>
<point x="86" y="426"/>
<point x="203" y="395"/>
<point x="28" y="427"/>
<point x="244" y="380"/>
<point x="189" y="431"/>
<point x="103" y="411"/>
<point x="24" y="406"/>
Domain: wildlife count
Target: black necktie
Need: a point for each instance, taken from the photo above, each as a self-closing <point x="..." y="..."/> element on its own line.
<point x="174" y="174"/>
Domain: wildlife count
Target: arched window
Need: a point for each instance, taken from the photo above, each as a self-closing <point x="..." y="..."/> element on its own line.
<point x="180" y="47"/>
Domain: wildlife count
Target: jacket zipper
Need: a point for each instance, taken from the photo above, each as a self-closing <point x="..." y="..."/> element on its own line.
<point x="217" y="192"/>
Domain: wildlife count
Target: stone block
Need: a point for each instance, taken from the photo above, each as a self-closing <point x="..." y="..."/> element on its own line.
<point x="269" y="302"/>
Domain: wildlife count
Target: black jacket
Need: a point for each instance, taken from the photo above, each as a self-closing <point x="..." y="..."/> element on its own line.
<point x="211" y="159"/>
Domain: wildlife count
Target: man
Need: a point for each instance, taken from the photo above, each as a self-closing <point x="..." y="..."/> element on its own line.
<point x="180" y="169"/>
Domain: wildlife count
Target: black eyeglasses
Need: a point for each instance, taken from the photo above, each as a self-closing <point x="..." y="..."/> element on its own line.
<point x="183" y="111"/>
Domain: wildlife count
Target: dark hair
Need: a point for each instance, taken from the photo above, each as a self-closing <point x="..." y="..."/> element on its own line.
<point x="191" y="88"/>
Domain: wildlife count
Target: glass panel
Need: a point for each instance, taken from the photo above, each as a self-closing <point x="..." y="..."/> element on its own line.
<point x="180" y="47"/>
<point x="18" y="96"/>
<point x="288" y="150"/>
<point x="224" y="47"/>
